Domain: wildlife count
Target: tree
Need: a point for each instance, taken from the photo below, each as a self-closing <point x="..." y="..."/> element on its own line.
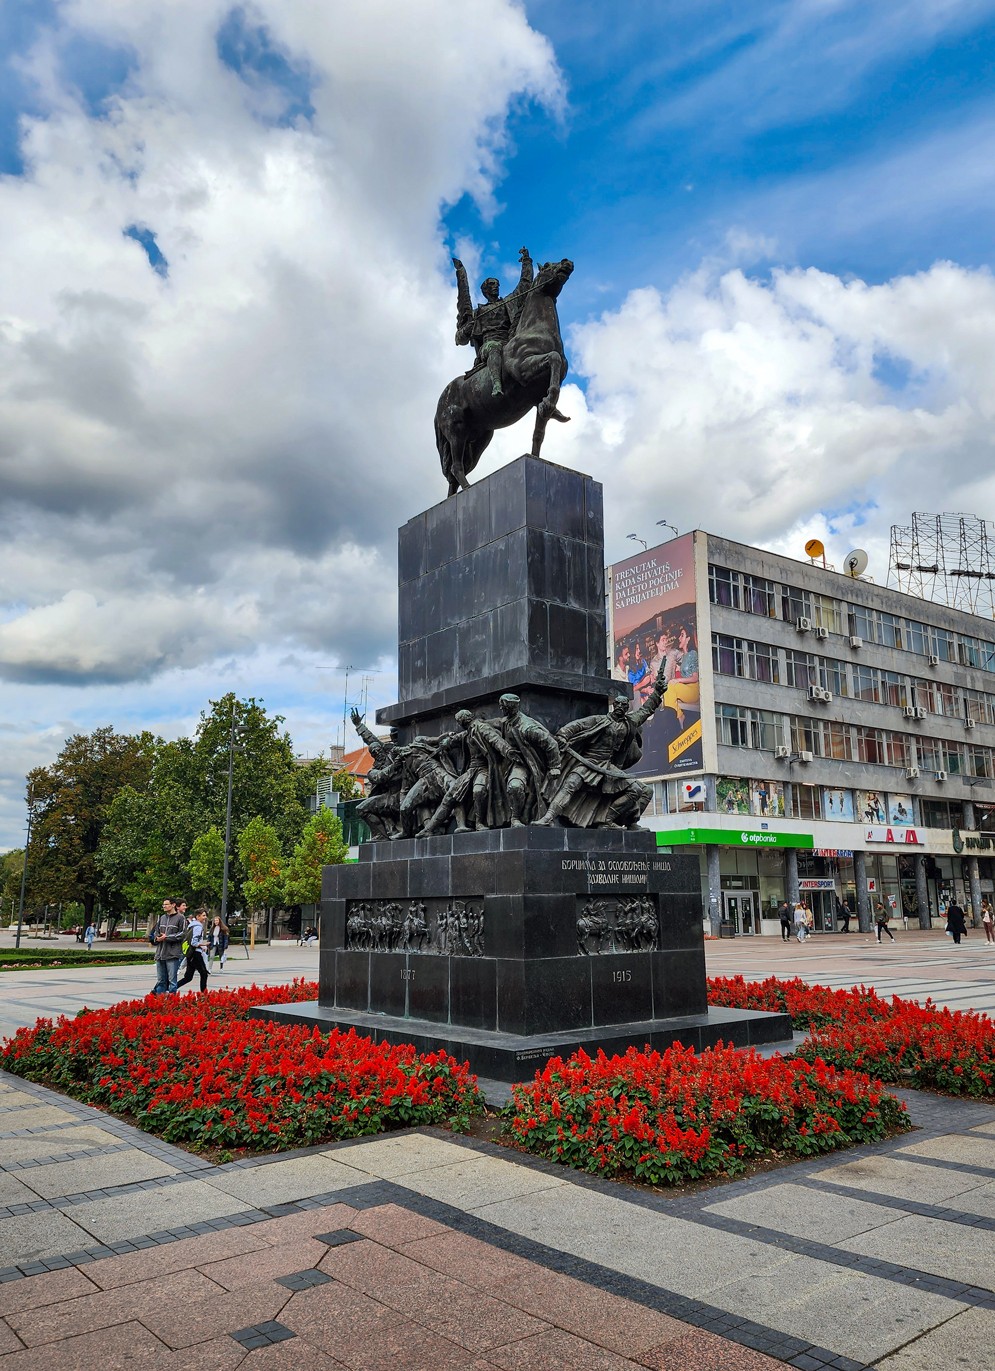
<point x="261" y="857"/>
<point x="70" y="802"/>
<point x="206" y="865"/>
<point x="321" y="844"/>
<point x="347" y="786"/>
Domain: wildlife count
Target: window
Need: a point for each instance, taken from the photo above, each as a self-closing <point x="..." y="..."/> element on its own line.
<point x="870" y="746"/>
<point x="976" y="706"/>
<point x="917" y="637"/>
<point x="806" y="736"/>
<point x="948" y="701"/>
<point x="894" y="689"/>
<point x="738" y="726"/>
<point x="739" y="590"/>
<point x="969" y="651"/>
<point x="941" y="814"/>
<point x="801" y="669"/>
<point x="924" y="695"/>
<point x="942" y="644"/>
<point x="952" y="755"/>
<point x="828" y="613"/>
<point x="862" y="623"/>
<point x="979" y="761"/>
<point x="834" y="677"/>
<point x="889" y="628"/>
<point x="865" y="682"/>
<point x="809" y="801"/>
<point x="836" y="740"/>
<point x="897" y="751"/>
<point x="928" y="753"/>
<point x="738" y="657"/>
<point x="795" y="605"/>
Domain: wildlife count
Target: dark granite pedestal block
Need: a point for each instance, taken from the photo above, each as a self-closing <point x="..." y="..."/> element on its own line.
<point x="514" y="945"/>
<point x="501" y="588"/>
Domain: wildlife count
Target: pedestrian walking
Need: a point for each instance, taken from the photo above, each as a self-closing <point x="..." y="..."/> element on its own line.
<point x="784" y="914"/>
<point x="166" y="934"/>
<point x="881" y="917"/>
<point x="956" y="925"/>
<point x="800" y="923"/>
<point x="843" y="914"/>
<point x="809" y="917"/>
<point x="196" y="960"/>
<point x="218" y="940"/>
<point x="89" y="935"/>
<point x="988" y="920"/>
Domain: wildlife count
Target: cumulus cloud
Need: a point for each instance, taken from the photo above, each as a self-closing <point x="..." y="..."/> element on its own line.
<point x="758" y="406"/>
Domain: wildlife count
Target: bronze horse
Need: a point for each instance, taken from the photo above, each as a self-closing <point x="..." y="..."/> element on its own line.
<point x="533" y="368"/>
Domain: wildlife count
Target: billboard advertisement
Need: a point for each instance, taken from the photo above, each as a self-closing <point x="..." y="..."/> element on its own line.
<point x="654" y="618"/>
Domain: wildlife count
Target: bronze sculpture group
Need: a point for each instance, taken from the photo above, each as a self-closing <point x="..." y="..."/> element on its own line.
<point x="510" y="771"/>
<point x="520" y="365"/>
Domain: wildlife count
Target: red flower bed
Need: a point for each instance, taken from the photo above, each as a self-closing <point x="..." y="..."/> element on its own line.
<point x="675" y="1116"/>
<point x="196" y="1070"/>
<point x="895" y="1040"/>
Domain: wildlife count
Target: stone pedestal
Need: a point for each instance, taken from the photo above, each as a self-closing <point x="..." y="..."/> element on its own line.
<point x="511" y="946"/>
<point x="502" y="588"/>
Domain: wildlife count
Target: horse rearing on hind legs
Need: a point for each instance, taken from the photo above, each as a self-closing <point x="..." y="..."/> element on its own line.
<point x="532" y="370"/>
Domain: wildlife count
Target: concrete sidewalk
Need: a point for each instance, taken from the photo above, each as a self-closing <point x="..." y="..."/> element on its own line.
<point x="420" y="1250"/>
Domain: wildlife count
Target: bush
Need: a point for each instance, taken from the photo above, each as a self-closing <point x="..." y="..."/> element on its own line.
<point x="666" y="1118"/>
<point x="197" y="1071"/>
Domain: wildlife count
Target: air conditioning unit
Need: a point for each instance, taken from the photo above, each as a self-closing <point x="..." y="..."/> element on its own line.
<point x="912" y="773"/>
<point x="822" y="633"/>
<point x="855" y="641"/>
<point x="910" y="712"/>
<point x="918" y="712"/>
<point x="782" y="753"/>
<point x="827" y="696"/>
<point x="968" y="723"/>
<point x="934" y="660"/>
<point x="803" y="624"/>
<point x="941" y="775"/>
<point x="807" y="757"/>
<point x="815" y="692"/>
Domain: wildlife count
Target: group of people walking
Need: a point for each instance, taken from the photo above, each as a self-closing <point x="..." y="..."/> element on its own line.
<point x="178" y="938"/>
<point x="801" y="921"/>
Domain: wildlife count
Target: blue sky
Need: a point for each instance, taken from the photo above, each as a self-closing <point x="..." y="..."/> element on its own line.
<point x="227" y="308"/>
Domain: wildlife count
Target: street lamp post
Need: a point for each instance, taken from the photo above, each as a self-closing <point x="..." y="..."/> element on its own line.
<point x="636" y="539"/>
<point x="662" y="523"/>
<point x="231" y="765"/>
<point x="24" y="876"/>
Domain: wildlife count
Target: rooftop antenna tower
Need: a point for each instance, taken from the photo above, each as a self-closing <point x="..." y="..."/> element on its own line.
<point x="945" y="558"/>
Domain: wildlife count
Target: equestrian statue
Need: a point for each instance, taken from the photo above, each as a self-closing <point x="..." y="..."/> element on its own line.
<point x="520" y="365"/>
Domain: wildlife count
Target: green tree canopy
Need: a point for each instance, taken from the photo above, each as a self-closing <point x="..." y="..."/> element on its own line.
<point x="206" y="865"/>
<point x="321" y="844"/>
<point x="261" y="857"/>
<point x="70" y="802"/>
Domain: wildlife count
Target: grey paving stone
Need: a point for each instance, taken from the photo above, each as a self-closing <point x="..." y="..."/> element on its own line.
<point x="980" y="1201"/>
<point x="13" y="1191"/>
<point x="392" y="1157"/>
<point x="94" y="1173"/>
<point x="944" y="1249"/>
<point x="11" y="1098"/>
<point x="476" y="1181"/>
<point x="889" y="1174"/>
<point x="119" y="1218"/>
<point x="964" y="1341"/>
<point x="35" y="1116"/>
<point x="41" y="1145"/>
<point x="680" y="1256"/>
<point x="806" y="1213"/>
<point x="854" y="1314"/>
<point x="28" y="1237"/>
<point x="282" y="1181"/>
<point x="954" y="1147"/>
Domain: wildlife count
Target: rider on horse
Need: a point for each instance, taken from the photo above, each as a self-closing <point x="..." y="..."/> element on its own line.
<point x="490" y="325"/>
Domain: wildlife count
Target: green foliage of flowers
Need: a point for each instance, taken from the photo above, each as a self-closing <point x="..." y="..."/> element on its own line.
<point x="196" y="1070"/>
<point x="666" y="1118"/>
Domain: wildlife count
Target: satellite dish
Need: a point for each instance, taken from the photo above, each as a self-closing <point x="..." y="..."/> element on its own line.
<point x="855" y="562"/>
<point x="814" y="549"/>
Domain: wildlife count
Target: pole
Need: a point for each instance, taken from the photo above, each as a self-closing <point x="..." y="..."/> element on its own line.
<point x="231" y="764"/>
<point x="24" y="877"/>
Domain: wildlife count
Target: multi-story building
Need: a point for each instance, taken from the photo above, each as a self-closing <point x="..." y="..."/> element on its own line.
<point x="827" y="738"/>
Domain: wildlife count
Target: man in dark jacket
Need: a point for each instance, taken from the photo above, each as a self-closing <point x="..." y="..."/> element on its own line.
<point x="166" y="934"/>
<point x="956" y="925"/>
<point x="784" y="914"/>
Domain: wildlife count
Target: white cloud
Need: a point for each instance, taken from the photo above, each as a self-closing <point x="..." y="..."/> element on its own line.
<point x="765" y="409"/>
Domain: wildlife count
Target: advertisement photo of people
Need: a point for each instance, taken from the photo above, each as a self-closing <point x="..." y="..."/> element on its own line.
<point x="655" y="628"/>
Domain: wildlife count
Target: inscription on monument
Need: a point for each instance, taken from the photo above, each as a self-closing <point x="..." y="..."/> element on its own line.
<point x="447" y="928"/>
<point x="624" y="923"/>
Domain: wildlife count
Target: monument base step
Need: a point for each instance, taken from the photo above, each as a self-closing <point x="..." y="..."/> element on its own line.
<point x="514" y="1057"/>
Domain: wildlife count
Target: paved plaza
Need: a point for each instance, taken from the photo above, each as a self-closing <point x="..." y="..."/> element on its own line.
<point x="422" y="1250"/>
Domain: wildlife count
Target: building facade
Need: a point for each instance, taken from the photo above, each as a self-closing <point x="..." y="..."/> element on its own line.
<point x="821" y="736"/>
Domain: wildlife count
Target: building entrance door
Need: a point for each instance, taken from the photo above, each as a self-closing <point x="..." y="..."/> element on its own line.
<point x="741" y="907"/>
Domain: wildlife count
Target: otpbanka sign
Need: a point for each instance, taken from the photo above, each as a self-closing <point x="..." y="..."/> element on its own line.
<point x="904" y="837"/>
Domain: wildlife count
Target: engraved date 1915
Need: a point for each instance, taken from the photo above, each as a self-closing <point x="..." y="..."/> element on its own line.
<point x="619" y="976"/>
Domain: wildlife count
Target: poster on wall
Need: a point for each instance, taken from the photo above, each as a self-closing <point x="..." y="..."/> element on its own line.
<point x="837" y="804"/>
<point x="654" y="620"/>
<point x="767" y="797"/>
<point x="900" y="810"/>
<point x="869" y="807"/>
<point x="732" y="796"/>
